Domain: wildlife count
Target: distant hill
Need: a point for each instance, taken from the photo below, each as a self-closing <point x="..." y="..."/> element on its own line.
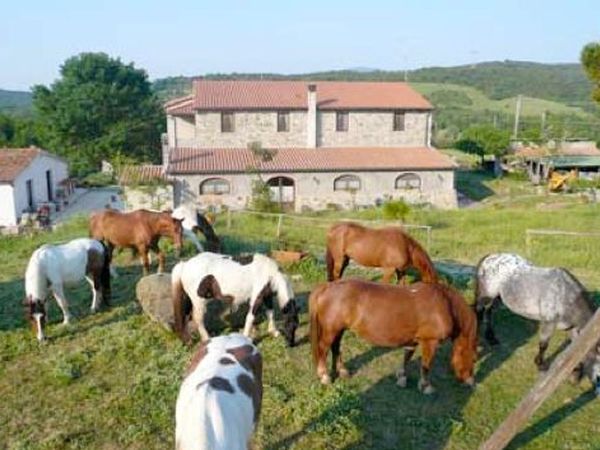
<point x="565" y="83"/>
<point x="15" y="102"/>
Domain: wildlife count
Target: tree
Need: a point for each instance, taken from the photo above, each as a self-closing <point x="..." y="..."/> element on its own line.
<point x="99" y="107"/>
<point x="484" y="140"/>
<point x="590" y="60"/>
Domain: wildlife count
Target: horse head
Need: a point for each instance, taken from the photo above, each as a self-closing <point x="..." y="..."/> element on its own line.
<point x="290" y="322"/>
<point x="464" y="355"/>
<point x="176" y="231"/>
<point x="35" y="310"/>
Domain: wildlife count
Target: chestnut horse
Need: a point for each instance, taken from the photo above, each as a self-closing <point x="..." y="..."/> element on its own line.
<point x="421" y="314"/>
<point x="140" y="229"/>
<point x="390" y="248"/>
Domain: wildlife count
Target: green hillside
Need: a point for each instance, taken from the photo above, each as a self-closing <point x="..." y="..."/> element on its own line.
<point x="15" y="102"/>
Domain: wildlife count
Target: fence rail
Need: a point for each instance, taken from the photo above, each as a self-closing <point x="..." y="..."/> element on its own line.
<point x="324" y="223"/>
<point x="530" y="233"/>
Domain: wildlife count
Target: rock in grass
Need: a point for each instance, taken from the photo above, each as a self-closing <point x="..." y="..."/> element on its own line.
<point x="154" y="294"/>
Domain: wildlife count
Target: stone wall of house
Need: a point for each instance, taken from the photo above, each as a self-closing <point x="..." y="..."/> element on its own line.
<point x="159" y="197"/>
<point x="372" y="129"/>
<point x="250" y="126"/>
<point x="314" y="190"/>
<point x="181" y="131"/>
<point x="365" y="129"/>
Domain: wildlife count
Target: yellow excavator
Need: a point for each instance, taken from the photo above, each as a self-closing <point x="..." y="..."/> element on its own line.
<point x="558" y="181"/>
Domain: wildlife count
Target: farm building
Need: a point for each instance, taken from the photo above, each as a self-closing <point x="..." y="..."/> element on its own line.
<point x="580" y="156"/>
<point x="329" y="143"/>
<point x="29" y="177"/>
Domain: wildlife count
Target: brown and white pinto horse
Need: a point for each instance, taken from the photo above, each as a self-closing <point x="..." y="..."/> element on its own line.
<point x="421" y="314"/>
<point x="140" y="230"/>
<point x="390" y="248"/>
<point x="219" y="401"/>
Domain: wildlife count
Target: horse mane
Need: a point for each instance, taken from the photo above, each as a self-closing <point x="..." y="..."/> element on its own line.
<point x="463" y="316"/>
<point x="421" y="260"/>
<point x="584" y="292"/>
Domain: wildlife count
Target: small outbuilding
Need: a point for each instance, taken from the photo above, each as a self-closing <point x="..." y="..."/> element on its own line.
<point x="29" y="178"/>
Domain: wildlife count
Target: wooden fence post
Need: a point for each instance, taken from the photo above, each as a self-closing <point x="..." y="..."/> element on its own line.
<point x="279" y="220"/>
<point x="558" y="372"/>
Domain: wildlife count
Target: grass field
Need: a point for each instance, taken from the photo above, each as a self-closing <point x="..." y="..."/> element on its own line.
<point x="110" y="380"/>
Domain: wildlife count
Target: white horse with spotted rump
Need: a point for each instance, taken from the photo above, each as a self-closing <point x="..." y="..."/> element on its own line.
<point x="550" y="295"/>
<point x="255" y="278"/>
<point x="219" y="401"/>
<point x="52" y="267"/>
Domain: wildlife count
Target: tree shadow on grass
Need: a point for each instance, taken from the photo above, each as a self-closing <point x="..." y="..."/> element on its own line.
<point x="471" y="183"/>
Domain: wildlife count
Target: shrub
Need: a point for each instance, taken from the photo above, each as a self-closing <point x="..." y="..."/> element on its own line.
<point x="395" y="210"/>
<point x="260" y="199"/>
<point x="97" y="179"/>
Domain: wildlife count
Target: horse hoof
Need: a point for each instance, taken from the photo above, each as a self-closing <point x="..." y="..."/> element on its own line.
<point x="325" y="379"/>
<point x="343" y="373"/>
<point x="426" y="389"/>
<point x="402" y="381"/>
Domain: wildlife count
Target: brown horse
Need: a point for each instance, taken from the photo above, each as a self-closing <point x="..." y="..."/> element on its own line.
<point x="389" y="248"/>
<point x="139" y="229"/>
<point x="421" y="314"/>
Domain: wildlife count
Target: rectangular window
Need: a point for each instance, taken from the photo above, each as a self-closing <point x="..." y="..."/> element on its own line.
<point x="49" y="185"/>
<point x="227" y="122"/>
<point x="283" y="121"/>
<point x="398" y="120"/>
<point x="29" y="185"/>
<point x="341" y="121"/>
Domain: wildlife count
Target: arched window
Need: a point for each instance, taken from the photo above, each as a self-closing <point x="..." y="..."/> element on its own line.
<point x="214" y="186"/>
<point x="346" y="183"/>
<point x="408" y="181"/>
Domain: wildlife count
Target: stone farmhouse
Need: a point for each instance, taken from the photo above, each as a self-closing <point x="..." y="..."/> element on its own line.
<point x="337" y="144"/>
<point x="30" y="177"/>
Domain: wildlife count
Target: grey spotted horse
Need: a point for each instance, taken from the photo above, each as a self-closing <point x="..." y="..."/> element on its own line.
<point x="549" y="295"/>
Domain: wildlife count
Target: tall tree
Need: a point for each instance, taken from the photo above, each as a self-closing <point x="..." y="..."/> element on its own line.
<point x="484" y="140"/>
<point x="100" y="107"/>
<point x="590" y="59"/>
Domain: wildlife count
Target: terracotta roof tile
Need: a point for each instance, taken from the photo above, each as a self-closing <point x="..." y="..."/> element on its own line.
<point x="260" y="94"/>
<point x="195" y="160"/>
<point x="181" y="106"/>
<point x="141" y="174"/>
<point x="14" y="160"/>
<point x="570" y="150"/>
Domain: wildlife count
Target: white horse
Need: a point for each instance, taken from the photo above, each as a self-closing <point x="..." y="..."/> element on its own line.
<point x="219" y="401"/>
<point x="210" y="275"/>
<point x="194" y="221"/>
<point x="550" y="295"/>
<point x="51" y="267"/>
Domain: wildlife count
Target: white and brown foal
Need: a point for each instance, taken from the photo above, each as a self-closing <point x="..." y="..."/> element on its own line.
<point x="52" y="267"/>
<point x="219" y="400"/>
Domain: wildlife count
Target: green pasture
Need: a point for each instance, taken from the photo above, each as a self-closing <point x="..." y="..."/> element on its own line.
<point x="110" y="380"/>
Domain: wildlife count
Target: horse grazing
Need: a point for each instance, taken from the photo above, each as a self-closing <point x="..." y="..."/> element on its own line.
<point x="140" y="230"/>
<point x="389" y="248"/>
<point x="421" y="314"/>
<point x="552" y="296"/>
<point x="51" y="267"/>
<point x="211" y="275"/>
<point x="219" y="401"/>
<point x="192" y="222"/>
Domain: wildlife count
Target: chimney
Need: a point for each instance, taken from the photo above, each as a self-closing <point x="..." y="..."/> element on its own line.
<point x="311" y="117"/>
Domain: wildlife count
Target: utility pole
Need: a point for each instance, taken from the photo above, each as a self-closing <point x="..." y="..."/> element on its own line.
<point x="517" y="115"/>
<point x="543" y="126"/>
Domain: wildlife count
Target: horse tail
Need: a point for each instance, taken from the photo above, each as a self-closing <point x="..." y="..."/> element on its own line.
<point x="421" y="261"/>
<point x="315" y="326"/>
<point x="329" y="262"/>
<point x="105" y="274"/>
<point x="182" y="304"/>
